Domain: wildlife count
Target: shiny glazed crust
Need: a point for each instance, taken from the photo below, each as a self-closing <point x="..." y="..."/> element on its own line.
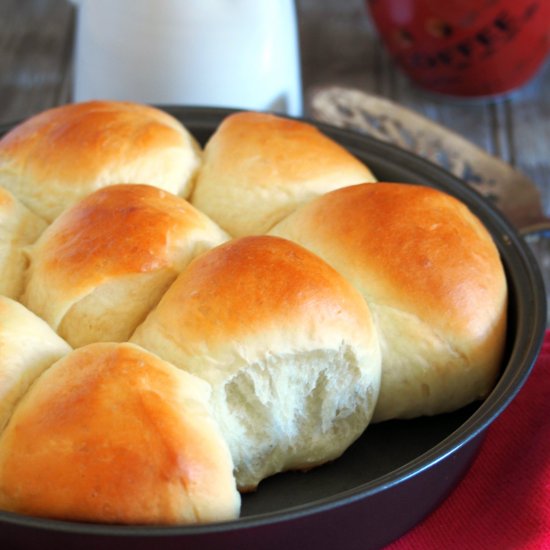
<point x="259" y="167"/>
<point x="104" y="263"/>
<point x="287" y="344"/>
<point x="61" y="155"/>
<point x="434" y="281"/>
<point x="111" y="433"/>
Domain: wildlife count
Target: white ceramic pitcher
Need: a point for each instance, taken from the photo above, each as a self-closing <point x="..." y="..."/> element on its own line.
<point x="225" y="53"/>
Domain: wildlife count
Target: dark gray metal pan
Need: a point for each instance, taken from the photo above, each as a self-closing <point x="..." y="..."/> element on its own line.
<point x="397" y="472"/>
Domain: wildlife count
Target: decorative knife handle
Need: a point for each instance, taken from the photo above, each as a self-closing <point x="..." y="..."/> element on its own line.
<point x="515" y="195"/>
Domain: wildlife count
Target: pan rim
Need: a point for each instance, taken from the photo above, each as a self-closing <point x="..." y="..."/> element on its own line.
<point x="530" y="310"/>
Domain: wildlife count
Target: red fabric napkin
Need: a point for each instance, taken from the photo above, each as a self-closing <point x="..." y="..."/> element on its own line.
<point x="503" y="503"/>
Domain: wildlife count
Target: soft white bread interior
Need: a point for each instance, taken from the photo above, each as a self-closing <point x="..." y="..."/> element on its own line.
<point x="19" y="227"/>
<point x="28" y="346"/>
<point x="258" y="167"/>
<point x="287" y="344"/>
<point x="56" y="157"/>
<point x="112" y="434"/>
<point x="433" y="279"/>
<point x="105" y="262"/>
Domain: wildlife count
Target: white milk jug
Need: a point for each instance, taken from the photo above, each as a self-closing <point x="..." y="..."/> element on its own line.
<point x="226" y="53"/>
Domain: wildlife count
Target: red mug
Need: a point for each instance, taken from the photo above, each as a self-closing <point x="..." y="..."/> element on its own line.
<point x="465" y="48"/>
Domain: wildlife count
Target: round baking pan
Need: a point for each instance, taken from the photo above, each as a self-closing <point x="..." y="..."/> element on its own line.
<point x="397" y="472"/>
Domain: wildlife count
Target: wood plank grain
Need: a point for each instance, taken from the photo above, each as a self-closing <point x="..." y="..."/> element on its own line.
<point x="336" y="44"/>
<point x="528" y="113"/>
<point x="36" y="44"/>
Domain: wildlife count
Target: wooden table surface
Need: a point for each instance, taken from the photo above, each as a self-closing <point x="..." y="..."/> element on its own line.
<point x="338" y="46"/>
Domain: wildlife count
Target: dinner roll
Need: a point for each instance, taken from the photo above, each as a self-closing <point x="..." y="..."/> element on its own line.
<point x="61" y="155"/>
<point x="112" y="434"/>
<point x="19" y="228"/>
<point x="105" y="262"/>
<point x="287" y="344"/>
<point x="433" y="279"/>
<point x="259" y="167"/>
<point x="28" y="346"/>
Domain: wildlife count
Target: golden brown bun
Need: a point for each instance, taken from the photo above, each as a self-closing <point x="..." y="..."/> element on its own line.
<point x="287" y="344"/>
<point x="259" y="167"/>
<point x="104" y="263"/>
<point x="19" y="227"/>
<point x="112" y="434"/>
<point x="28" y="346"/>
<point x="61" y="155"/>
<point x="434" y="282"/>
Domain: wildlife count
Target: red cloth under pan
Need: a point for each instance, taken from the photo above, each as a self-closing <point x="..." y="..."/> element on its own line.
<point x="503" y="503"/>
